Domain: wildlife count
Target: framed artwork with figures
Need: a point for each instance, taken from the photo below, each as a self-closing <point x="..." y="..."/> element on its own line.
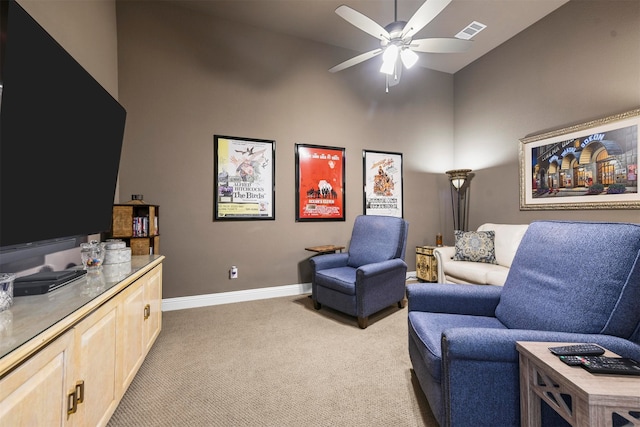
<point x="320" y="183"/>
<point x="382" y="176"/>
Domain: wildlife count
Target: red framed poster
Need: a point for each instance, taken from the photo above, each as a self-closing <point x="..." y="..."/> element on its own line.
<point x="320" y="178"/>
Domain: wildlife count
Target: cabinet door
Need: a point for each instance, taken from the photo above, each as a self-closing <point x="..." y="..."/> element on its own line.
<point x="36" y="393"/>
<point x="132" y="332"/>
<point x="153" y="309"/>
<point x="96" y="356"/>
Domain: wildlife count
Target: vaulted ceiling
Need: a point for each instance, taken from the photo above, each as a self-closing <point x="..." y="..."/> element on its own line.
<point x="316" y="20"/>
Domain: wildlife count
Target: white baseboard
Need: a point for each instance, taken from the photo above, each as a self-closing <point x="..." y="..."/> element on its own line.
<point x="181" y="303"/>
<point x="194" y="301"/>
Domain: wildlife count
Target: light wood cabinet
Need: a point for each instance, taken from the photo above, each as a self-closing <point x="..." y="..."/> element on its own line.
<point x="140" y="322"/>
<point x="77" y="376"/>
<point x="152" y="311"/>
<point x="71" y="381"/>
<point x="35" y="394"/>
<point x="96" y="362"/>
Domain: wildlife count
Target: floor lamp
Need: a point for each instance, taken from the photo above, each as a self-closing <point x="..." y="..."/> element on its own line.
<point x="459" y="197"/>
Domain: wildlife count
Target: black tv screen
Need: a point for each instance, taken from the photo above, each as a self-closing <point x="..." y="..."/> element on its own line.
<point x="60" y="138"/>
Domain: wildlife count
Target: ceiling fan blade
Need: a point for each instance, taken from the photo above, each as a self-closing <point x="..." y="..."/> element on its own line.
<point x="362" y="22"/>
<point x="356" y="60"/>
<point x="425" y="13"/>
<point x="441" y="45"/>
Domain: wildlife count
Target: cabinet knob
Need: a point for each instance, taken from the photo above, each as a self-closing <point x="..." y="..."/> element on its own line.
<point x="147" y="311"/>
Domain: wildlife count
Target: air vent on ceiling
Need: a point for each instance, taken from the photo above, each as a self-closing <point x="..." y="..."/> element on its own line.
<point x="470" y="30"/>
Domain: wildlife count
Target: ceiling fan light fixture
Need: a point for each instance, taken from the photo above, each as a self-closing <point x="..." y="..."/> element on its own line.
<point x="387" y="68"/>
<point x="409" y="58"/>
<point x="397" y="45"/>
<point x="389" y="58"/>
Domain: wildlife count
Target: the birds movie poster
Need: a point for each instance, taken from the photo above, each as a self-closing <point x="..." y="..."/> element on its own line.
<point x="244" y="173"/>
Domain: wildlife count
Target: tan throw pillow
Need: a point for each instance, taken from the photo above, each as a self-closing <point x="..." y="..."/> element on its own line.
<point x="475" y="246"/>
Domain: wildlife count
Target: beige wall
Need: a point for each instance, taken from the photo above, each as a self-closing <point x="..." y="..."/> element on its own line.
<point x="87" y="30"/>
<point x="580" y="63"/>
<point x="185" y="77"/>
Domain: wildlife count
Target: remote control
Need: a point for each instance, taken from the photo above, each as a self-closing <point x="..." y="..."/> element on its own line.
<point x="572" y="360"/>
<point x="577" y="350"/>
<point x="610" y="365"/>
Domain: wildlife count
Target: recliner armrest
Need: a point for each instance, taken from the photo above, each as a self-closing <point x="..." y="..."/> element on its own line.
<point x="453" y="298"/>
<point x="499" y="344"/>
<point x="322" y="262"/>
<point x="369" y="270"/>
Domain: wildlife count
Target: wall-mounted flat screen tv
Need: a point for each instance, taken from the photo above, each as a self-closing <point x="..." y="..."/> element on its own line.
<point x="60" y="139"/>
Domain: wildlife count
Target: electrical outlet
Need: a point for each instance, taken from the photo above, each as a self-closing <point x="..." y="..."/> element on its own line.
<point x="233" y="272"/>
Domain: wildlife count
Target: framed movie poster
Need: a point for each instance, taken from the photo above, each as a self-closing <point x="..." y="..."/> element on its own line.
<point x="382" y="176"/>
<point x="320" y="178"/>
<point x="244" y="178"/>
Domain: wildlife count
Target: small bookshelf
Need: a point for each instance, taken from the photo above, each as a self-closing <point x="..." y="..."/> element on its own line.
<point x="138" y="226"/>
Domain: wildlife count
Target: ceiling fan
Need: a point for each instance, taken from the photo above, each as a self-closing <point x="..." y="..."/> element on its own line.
<point x="396" y="39"/>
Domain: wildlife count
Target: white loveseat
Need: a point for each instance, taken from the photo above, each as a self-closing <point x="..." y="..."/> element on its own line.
<point x="507" y="240"/>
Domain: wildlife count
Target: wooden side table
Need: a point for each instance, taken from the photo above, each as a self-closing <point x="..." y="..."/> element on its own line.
<point x="325" y="249"/>
<point x="426" y="264"/>
<point x="580" y="397"/>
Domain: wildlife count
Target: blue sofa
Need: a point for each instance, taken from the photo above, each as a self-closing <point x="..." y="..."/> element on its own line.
<point x="569" y="281"/>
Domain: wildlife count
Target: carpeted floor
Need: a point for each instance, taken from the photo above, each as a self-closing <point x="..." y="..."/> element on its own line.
<point x="276" y="362"/>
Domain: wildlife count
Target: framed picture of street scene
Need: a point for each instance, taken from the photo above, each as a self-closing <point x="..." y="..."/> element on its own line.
<point x="320" y="183"/>
<point x="593" y="165"/>
<point x="244" y="178"/>
<point x="382" y="176"/>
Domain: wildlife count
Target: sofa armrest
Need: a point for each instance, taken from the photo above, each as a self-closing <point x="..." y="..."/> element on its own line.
<point x="453" y="298"/>
<point x="443" y="254"/>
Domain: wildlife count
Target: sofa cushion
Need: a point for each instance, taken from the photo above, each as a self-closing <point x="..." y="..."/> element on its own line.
<point x="506" y="241"/>
<point x="497" y="276"/>
<point x="477" y="273"/>
<point x="565" y="277"/>
<point x="475" y="246"/>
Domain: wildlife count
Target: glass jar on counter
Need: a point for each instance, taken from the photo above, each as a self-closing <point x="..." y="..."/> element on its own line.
<point x="92" y="254"/>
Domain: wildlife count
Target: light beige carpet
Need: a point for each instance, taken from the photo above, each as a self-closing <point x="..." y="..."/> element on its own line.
<point x="276" y="362"/>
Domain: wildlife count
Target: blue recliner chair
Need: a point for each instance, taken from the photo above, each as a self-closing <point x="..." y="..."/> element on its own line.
<point x="569" y="281"/>
<point x="370" y="276"/>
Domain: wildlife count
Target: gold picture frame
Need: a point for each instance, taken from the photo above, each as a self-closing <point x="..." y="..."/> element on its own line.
<point x="593" y="165"/>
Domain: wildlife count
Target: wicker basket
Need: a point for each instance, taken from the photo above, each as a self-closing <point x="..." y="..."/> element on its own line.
<point x="140" y="246"/>
<point x="122" y="217"/>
